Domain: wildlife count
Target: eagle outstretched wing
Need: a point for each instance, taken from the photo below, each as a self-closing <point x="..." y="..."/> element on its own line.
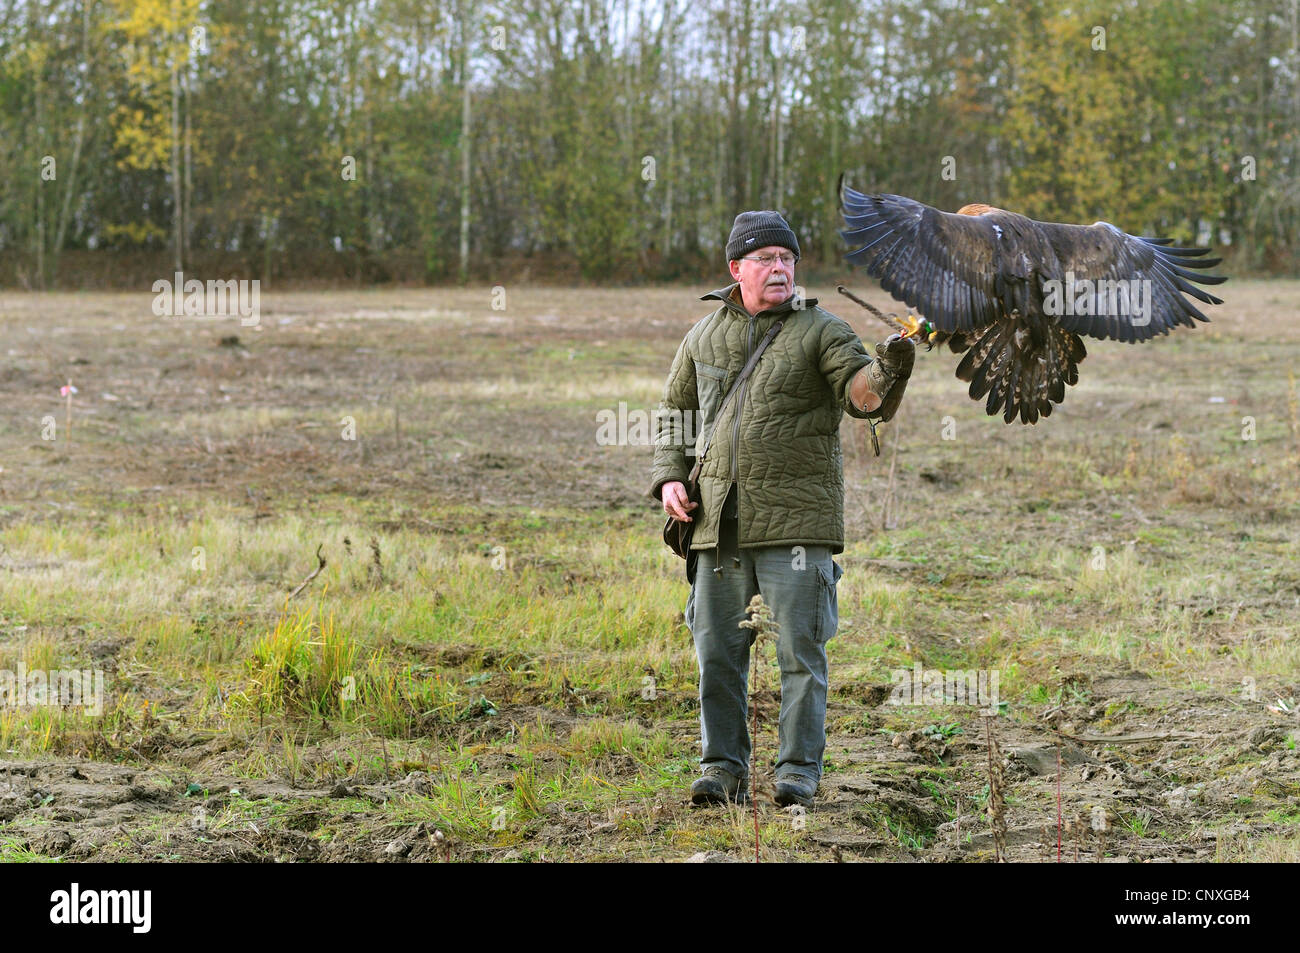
<point x="1017" y="293"/>
<point x="942" y="265"/>
<point x="1101" y="252"/>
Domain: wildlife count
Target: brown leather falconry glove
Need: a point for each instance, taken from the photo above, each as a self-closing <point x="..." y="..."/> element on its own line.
<point x="888" y="374"/>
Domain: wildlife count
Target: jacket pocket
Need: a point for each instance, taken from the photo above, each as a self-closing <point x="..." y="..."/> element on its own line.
<point x="827" y="616"/>
<point x="709" y="391"/>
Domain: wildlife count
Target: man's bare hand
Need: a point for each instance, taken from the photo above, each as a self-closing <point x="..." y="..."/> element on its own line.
<point x="676" y="503"/>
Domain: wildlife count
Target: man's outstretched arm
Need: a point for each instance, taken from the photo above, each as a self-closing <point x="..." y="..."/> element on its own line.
<point x="862" y="386"/>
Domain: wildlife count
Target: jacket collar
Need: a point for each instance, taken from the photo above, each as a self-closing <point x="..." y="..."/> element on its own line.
<point x="730" y="296"/>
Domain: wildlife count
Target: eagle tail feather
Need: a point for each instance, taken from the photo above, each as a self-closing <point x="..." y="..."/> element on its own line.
<point x="1021" y="378"/>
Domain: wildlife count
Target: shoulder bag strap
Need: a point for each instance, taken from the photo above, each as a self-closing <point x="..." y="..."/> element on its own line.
<point x="749" y="366"/>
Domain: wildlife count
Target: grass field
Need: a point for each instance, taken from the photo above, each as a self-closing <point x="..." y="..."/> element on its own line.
<point x="492" y="663"/>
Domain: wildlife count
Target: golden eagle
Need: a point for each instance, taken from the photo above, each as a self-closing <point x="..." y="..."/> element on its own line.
<point x="1016" y="294"/>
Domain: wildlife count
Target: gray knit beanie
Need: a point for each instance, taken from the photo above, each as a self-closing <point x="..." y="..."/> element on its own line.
<point x="754" y="230"/>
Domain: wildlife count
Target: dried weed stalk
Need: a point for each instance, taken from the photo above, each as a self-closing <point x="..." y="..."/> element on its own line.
<point x="997" y="806"/>
<point x="764" y="628"/>
<point x="376" y="564"/>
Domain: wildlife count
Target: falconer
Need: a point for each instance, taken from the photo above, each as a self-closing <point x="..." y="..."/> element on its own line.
<point x="771" y="510"/>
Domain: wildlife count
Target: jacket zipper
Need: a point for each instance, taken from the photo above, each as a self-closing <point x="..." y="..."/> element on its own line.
<point x="735" y="428"/>
<point x="740" y="405"/>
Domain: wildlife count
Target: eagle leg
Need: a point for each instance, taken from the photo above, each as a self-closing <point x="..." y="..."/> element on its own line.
<point x="919" y="329"/>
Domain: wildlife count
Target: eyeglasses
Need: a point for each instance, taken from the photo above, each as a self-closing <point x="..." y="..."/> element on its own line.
<point x="766" y="260"/>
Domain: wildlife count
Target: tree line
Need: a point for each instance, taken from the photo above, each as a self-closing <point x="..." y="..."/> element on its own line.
<point x="615" y="140"/>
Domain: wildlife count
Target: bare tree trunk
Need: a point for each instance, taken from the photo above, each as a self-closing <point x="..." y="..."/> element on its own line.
<point x="719" y="214"/>
<point x="835" y="172"/>
<point x="882" y="88"/>
<point x="1295" y="108"/>
<point x="627" y="79"/>
<point x="78" y="141"/>
<point x="769" y="165"/>
<point x="779" y="160"/>
<point x="40" y="186"/>
<point x="671" y="53"/>
<point x="268" y="223"/>
<point x="374" y="225"/>
<point x="465" y="130"/>
<point x="177" y="210"/>
<point x="188" y="217"/>
<point x="65" y="211"/>
<point x="744" y="154"/>
<point x="358" y="209"/>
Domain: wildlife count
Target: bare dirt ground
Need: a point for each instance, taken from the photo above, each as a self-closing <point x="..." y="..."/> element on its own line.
<point x="1191" y="788"/>
<point x="1176" y="741"/>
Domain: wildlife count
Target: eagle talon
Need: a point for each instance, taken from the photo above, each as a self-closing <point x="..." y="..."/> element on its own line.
<point x="911" y="327"/>
<point x="919" y="329"/>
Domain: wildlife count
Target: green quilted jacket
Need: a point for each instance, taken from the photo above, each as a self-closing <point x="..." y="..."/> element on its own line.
<point x="779" y="438"/>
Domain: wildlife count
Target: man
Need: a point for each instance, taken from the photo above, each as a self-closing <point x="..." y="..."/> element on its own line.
<point x="771" y="514"/>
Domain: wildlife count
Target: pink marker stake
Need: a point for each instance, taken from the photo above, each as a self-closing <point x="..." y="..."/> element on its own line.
<point x="67" y="390"/>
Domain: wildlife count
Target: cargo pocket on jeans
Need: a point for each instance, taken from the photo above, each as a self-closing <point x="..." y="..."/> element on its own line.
<point x="827" y="618"/>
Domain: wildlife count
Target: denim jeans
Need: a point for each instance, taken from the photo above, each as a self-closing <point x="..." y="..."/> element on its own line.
<point x="799" y="584"/>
